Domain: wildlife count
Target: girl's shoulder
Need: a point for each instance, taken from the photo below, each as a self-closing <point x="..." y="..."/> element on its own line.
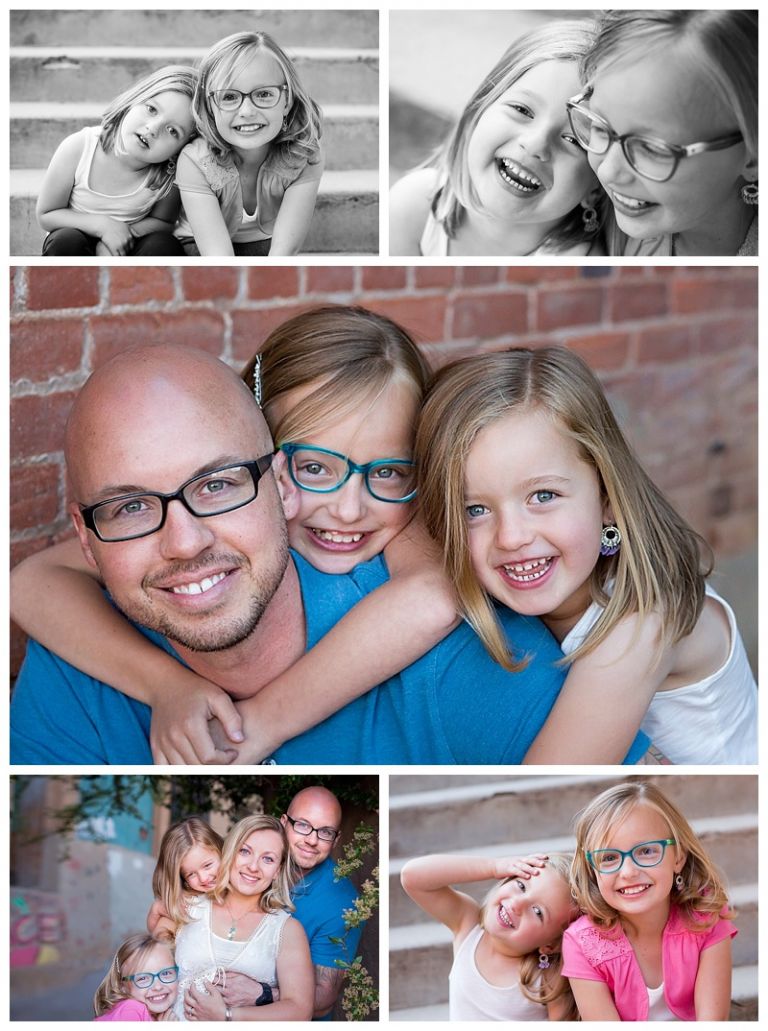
<point x="415" y="190"/>
<point x="410" y="203"/>
<point x="598" y="944"/>
<point x="127" y="1009"/>
<point x="216" y="170"/>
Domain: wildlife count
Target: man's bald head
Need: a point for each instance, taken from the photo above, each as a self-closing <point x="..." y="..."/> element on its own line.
<point x="146" y="383"/>
<point x="318" y="807"/>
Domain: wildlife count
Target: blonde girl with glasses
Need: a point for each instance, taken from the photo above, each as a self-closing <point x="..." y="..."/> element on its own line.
<point x="249" y="182"/>
<point x="669" y="119"/>
<point x="109" y="188"/>
<point x="187" y="867"/>
<point x="538" y="504"/>
<point x="340" y="385"/>
<point x="654" y="942"/>
<point x="511" y="178"/>
<point x="141" y="983"/>
<point x="506" y="949"/>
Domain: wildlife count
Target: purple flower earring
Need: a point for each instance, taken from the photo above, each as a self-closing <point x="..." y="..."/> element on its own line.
<point x="543" y="961"/>
<point x="610" y="540"/>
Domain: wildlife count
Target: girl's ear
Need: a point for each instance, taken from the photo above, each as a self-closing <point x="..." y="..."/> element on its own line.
<point x="286" y="488"/>
<point x="681" y="860"/>
<point x="749" y="171"/>
<point x="608" y="516"/>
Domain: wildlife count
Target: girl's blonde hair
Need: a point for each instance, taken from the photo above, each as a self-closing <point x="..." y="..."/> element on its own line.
<point x="659" y="567"/>
<point x="278" y="894"/>
<point x="726" y="38"/>
<point x="536" y="985"/>
<point x="129" y="955"/>
<point x="557" y="41"/>
<point x="174" y="78"/>
<point x="168" y="881"/>
<point x="298" y="144"/>
<point x="349" y="353"/>
<point x="703" y="895"/>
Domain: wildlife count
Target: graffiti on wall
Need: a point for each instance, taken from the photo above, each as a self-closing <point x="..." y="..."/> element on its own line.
<point x="38" y="927"/>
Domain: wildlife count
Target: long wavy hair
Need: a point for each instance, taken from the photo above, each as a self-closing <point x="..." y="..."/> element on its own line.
<point x="168" y="883"/>
<point x="298" y="144"/>
<point x="127" y="960"/>
<point x="174" y="78"/>
<point x="662" y="563"/>
<point x="278" y="894"/>
<point x="703" y="896"/>
<point x="349" y="353"/>
<point x="454" y="191"/>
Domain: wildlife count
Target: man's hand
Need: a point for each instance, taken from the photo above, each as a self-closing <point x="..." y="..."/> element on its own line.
<point x="241" y="990"/>
<point x="181" y="715"/>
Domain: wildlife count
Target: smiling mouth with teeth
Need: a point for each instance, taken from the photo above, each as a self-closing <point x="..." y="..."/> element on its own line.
<point x="524" y="572"/>
<point x="631" y="202"/>
<point x="335" y="537"/>
<point x="516" y="176"/>
<point x="632" y="890"/>
<point x="199" y="587"/>
<point x="504" y="917"/>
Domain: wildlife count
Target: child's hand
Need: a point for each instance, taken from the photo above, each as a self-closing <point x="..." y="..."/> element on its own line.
<point x="520" y="866"/>
<point x="181" y="711"/>
<point x="116" y="236"/>
<point x="252" y="751"/>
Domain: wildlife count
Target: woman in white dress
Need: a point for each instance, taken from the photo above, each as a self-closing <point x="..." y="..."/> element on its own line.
<point x="246" y="927"/>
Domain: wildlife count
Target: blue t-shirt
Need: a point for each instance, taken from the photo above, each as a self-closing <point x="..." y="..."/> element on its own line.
<point x="453" y="705"/>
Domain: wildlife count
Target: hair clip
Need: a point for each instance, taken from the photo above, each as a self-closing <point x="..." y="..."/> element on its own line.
<point x="257" y="379"/>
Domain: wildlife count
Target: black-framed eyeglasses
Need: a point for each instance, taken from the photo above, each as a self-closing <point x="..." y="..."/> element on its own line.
<point x="232" y="99"/>
<point x="166" y="976"/>
<point x="208" y="494"/>
<point x="305" y="829"/>
<point x="611" y="860"/>
<point x="649" y="156"/>
<point x="321" y="471"/>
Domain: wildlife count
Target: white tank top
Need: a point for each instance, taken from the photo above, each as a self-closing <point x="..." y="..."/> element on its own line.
<point x="204" y="958"/>
<point x="126" y="207"/>
<point x="657" y="1004"/>
<point x="711" y="721"/>
<point x="471" y="997"/>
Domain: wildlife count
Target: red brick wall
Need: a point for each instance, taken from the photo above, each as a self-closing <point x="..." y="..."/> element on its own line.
<point x="675" y="347"/>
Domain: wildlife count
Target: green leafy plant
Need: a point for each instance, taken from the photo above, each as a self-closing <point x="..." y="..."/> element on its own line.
<point x="360" y="996"/>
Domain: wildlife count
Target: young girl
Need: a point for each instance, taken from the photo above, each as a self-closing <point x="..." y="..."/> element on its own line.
<point x="669" y="118"/>
<point x="109" y="188"/>
<point x="512" y="178"/>
<point x="506" y="952"/>
<point x="537" y="501"/>
<point x="349" y="382"/>
<point x="250" y="181"/>
<point x="655" y="941"/>
<point x="141" y="983"/>
<point x="187" y="866"/>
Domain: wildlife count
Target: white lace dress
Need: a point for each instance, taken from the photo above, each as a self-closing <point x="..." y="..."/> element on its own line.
<point x="205" y="958"/>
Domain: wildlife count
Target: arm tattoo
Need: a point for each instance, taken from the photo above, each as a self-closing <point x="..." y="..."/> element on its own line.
<point x="328" y="982"/>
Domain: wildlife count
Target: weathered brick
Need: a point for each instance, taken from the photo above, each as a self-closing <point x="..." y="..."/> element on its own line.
<point x="211" y="283"/>
<point x="140" y="284"/>
<point x="535" y="274"/>
<point x="665" y="342"/>
<point x="431" y="276"/>
<point x="250" y="328"/>
<point x="573" y="306"/>
<point x="383" y="277"/>
<point x="55" y="287"/>
<point x="42" y="348"/>
<point x="423" y="317"/>
<point x="489" y="315"/>
<point x="480" y="275"/>
<point x="331" y="279"/>
<point x="193" y="327"/>
<point x="637" y="301"/>
<point x="34" y="495"/>
<point x="37" y="424"/>
<point x="601" y="351"/>
<point x="267" y="282"/>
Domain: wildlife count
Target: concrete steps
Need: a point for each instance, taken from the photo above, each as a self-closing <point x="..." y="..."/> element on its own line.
<point x="516" y="815"/>
<point x="347" y="210"/>
<point x="65" y="66"/>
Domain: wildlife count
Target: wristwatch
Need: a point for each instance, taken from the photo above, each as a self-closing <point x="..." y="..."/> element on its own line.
<point x="266" y="994"/>
<point x="227" y="1013"/>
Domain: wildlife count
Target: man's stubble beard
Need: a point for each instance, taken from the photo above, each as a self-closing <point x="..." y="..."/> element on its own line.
<point x="203" y="633"/>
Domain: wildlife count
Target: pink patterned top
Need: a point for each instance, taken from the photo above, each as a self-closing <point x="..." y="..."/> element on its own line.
<point x="127" y="1009"/>
<point x="594" y="954"/>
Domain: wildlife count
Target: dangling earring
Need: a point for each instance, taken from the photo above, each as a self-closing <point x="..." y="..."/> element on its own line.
<point x="543" y="961"/>
<point x="257" y="379"/>
<point x="589" y="218"/>
<point x="285" y="123"/>
<point x="610" y="540"/>
<point x="749" y="193"/>
<point x="679" y="882"/>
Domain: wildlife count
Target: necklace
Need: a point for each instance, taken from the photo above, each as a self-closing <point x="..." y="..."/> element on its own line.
<point x="233" y="926"/>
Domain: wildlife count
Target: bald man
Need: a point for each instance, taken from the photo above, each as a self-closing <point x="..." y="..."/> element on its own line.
<point x="181" y="508"/>
<point x="312" y="825"/>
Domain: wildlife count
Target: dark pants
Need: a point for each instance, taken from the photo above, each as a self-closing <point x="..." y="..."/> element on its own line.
<point x="69" y="243"/>
<point x="255" y="249"/>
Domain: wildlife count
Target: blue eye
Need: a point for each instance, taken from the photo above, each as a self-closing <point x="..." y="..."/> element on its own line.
<point x="543" y="496"/>
<point x="474" y="511"/>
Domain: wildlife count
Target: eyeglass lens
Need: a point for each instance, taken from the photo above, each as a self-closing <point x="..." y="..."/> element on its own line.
<point x="207" y="495"/>
<point x="646" y="157"/>
<point x="167" y="976"/>
<point x="649" y="853"/>
<point x="317" y="470"/>
<point x="232" y="99"/>
<point x="323" y="833"/>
